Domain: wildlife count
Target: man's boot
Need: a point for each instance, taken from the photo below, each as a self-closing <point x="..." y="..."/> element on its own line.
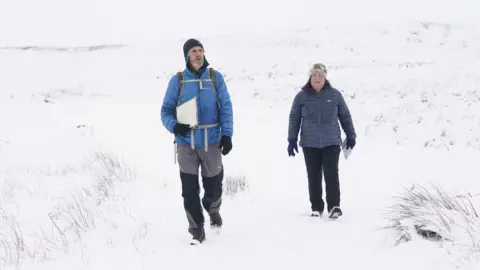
<point x="198" y="235"/>
<point x="216" y="220"/>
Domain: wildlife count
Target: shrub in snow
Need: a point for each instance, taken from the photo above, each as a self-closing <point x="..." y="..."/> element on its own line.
<point x="108" y="169"/>
<point x="16" y="244"/>
<point x="73" y="218"/>
<point x="12" y="245"/>
<point x="235" y="184"/>
<point x="436" y="215"/>
<point x="70" y="219"/>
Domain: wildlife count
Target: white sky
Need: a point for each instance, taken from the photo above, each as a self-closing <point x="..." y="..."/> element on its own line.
<point x="83" y="22"/>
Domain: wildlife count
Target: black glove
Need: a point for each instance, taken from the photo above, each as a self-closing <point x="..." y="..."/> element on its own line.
<point x="351" y="143"/>
<point x="225" y="145"/>
<point x="181" y="129"/>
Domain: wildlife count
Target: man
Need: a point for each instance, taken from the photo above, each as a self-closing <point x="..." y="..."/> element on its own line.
<point x="317" y="108"/>
<point x="201" y="145"/>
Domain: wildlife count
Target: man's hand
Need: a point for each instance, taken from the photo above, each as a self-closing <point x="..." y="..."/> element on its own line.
<point x="225" y="145"/>
<point x="181" y="129"/>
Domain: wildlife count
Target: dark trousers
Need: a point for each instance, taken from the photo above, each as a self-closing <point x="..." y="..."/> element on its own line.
<point x="318" y="161"/>
<point x="211" y="201"/>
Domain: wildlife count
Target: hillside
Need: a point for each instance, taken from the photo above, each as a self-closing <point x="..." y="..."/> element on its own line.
<point x="88" y="179"/>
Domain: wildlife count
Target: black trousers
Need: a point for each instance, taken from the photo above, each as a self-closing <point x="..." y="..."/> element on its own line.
<point x="211" y="201"/>
<point x="318" y="161"/>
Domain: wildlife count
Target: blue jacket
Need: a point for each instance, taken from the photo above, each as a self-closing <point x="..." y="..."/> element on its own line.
<point x="209" y="112"/>
<point x="317" y="115"/>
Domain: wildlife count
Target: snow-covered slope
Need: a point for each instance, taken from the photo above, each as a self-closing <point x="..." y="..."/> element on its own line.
<point x="88" y="179"/>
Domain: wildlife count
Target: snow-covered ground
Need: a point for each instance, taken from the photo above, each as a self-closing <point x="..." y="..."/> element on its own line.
<point x="87" y="175"/>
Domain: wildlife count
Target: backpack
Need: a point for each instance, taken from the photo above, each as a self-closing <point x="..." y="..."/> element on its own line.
<point x="211" y="73"/>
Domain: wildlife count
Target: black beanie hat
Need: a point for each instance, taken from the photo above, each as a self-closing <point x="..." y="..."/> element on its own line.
<point x="189" y="44"/>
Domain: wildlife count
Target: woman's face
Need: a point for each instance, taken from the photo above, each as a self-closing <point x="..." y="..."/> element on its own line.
<point x="317" y="80"/>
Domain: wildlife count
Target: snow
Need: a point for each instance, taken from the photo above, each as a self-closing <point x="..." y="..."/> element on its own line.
<point x="87" y="175"/>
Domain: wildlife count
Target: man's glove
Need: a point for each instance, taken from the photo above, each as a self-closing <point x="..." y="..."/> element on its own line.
<point x="181" y="129"/>
<point x="225" y="145"/>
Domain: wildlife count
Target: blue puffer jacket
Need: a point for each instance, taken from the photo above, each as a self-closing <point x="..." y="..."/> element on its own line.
<point x="208" y="109"/>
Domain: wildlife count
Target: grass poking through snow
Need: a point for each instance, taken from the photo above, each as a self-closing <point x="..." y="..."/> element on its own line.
<point x="438" y="215"/>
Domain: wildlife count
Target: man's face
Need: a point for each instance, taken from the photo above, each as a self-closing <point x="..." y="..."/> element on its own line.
<point x="195" y="57"/>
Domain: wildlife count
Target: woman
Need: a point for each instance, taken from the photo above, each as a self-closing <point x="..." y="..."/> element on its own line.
<point x="316" y="110"/>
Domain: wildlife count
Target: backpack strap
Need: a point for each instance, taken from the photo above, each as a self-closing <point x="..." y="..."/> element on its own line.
<point x="180" y="84"/>
<point x="211" y="73"/>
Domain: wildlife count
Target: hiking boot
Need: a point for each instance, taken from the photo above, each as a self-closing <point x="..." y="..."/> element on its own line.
<point x="198" y="235"/>
<point x="335" y="212"/>
<point x="216" y="220"/>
